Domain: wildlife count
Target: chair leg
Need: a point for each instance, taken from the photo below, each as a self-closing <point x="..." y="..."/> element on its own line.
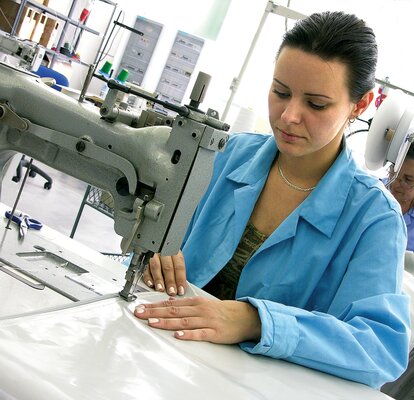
<point x="32" y="173"/>
<point x="18" y="175"/>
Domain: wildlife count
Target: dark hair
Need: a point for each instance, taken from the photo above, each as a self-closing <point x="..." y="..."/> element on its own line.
<point x="410" y="152"/>
<point x="339" y="36"/>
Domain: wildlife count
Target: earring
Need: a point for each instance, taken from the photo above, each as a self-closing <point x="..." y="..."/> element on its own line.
<point x="351" y="120"/>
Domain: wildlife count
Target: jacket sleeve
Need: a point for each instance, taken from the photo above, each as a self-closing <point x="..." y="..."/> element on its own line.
<point x="365" y="334"/>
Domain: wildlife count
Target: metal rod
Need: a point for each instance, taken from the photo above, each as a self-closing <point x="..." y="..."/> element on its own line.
<point x="87" y="82"/>
<point x="29" y="166"/>
<point x="18" y="17"/>
<point x="390" y="85"/>
<point x="271" y="7"/>
<point x="99" y="58"/>
<point x="129" y="28"/>
<point x="182" y="110"/>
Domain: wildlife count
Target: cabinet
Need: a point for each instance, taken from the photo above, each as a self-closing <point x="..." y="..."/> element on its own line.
<point x="66" y="20"/>
<point x="178" y="69"/>
<point x="139" y="50"/>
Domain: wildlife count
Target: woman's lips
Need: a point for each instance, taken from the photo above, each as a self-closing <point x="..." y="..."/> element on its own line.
<point x="287" y="137"/>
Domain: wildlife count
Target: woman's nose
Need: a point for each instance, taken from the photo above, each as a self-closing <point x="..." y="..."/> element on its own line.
<point x="292" y="113"/>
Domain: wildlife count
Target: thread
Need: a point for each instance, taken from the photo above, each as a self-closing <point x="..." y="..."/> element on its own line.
<point x="245" y="120"/>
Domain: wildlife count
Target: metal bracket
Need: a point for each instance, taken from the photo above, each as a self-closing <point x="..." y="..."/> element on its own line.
<point x="12" y="119"/>
<point x="71" y="143"/>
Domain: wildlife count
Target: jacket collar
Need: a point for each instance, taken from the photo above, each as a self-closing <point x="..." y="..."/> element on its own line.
<point x="333" y="189"/>
<point x="256" y="167"/>
<point x="324" y="206"/>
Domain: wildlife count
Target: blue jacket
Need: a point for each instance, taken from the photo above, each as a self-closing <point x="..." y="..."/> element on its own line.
<point x="327" y="282"/>
<point x="409" y="221"/>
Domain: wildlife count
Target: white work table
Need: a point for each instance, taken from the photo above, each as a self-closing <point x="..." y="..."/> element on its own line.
<point x="54" y="348"/>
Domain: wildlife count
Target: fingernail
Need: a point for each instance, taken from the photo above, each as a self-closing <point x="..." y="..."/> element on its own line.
<point x="180" y="290"/>
<point x="180" y="333"/>
<point x="171" y="290"/>
<point x="150" y="284"/>
<point x="159" y="287"/>
<point x="140" y="309"/>
<point x="153" y="320"/>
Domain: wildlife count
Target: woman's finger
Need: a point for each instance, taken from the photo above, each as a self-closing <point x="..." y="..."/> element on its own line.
<point x="168" y="272"/>
<point x="198" y="335"/>
<point x="180" y="273"/>
<point x="173" y="324"/>
<point x="177" y="302"/>
<point x="146" y="311"/>
<point x="147" y="277"/>
<point x="155" y="269"/>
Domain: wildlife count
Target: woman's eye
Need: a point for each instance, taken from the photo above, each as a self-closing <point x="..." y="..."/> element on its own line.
<point x="317" y="106"/>
<point x="282" y="95"/>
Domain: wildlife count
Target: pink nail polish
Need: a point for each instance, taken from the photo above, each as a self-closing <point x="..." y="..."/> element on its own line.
<point x="139" y="309"/>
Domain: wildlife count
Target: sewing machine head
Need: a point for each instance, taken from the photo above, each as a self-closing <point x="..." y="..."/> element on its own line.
<point x="155" y="174"/>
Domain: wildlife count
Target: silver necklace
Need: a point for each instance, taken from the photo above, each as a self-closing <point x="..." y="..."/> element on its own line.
<point x="286" y="180"/>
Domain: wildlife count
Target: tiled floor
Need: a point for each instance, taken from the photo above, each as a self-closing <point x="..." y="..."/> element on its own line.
<point x="59" y="206"/>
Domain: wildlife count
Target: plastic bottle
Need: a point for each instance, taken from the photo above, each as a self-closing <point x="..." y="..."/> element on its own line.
<point x="86" y="11"/>
<point x="106" y="72"/>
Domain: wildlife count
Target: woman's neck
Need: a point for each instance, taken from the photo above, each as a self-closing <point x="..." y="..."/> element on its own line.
<point x="307" y="169"/>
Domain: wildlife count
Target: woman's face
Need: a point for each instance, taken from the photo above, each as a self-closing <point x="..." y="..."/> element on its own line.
<point x="403" y="186"/>
<point x="309" y="104"/>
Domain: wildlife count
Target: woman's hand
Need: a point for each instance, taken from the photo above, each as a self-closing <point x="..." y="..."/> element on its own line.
<point x="166" y="273"/>
<point x="200" y="319"/>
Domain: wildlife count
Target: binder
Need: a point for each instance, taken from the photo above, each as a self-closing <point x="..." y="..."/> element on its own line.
<point x="27" y="23"/>
<point x="49" y="33"/>
<point x="39" y="27"/>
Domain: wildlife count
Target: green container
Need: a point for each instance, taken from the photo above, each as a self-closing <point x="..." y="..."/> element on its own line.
<point x="122" y="76"/>
<point x="106" y="69"/>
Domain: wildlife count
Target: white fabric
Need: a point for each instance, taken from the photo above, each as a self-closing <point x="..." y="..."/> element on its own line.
<point x="101" y="351"/>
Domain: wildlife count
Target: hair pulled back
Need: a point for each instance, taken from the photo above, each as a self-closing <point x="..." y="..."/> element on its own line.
<point x="339" y="36"/>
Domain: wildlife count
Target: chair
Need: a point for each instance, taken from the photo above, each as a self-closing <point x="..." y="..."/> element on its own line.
<point x="45" y="72"/>
<point x="61" y="80"/>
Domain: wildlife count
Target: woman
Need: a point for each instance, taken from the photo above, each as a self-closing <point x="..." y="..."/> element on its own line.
<point x="403" y="190"/>
<point x="289" y="231"/>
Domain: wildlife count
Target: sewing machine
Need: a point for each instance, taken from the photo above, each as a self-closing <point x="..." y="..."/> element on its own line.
<point x="155" y="174"/>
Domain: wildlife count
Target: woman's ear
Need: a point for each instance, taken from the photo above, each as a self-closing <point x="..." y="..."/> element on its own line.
<point x="363" y="104"/>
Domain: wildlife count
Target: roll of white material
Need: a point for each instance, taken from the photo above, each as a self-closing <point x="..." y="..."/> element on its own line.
<point x="245" y="121"/>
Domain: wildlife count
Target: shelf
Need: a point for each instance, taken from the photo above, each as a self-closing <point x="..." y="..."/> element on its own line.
<point x="63" y="57"/>
<point x="61" y="16"/>
<point x="66" y="19"/>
